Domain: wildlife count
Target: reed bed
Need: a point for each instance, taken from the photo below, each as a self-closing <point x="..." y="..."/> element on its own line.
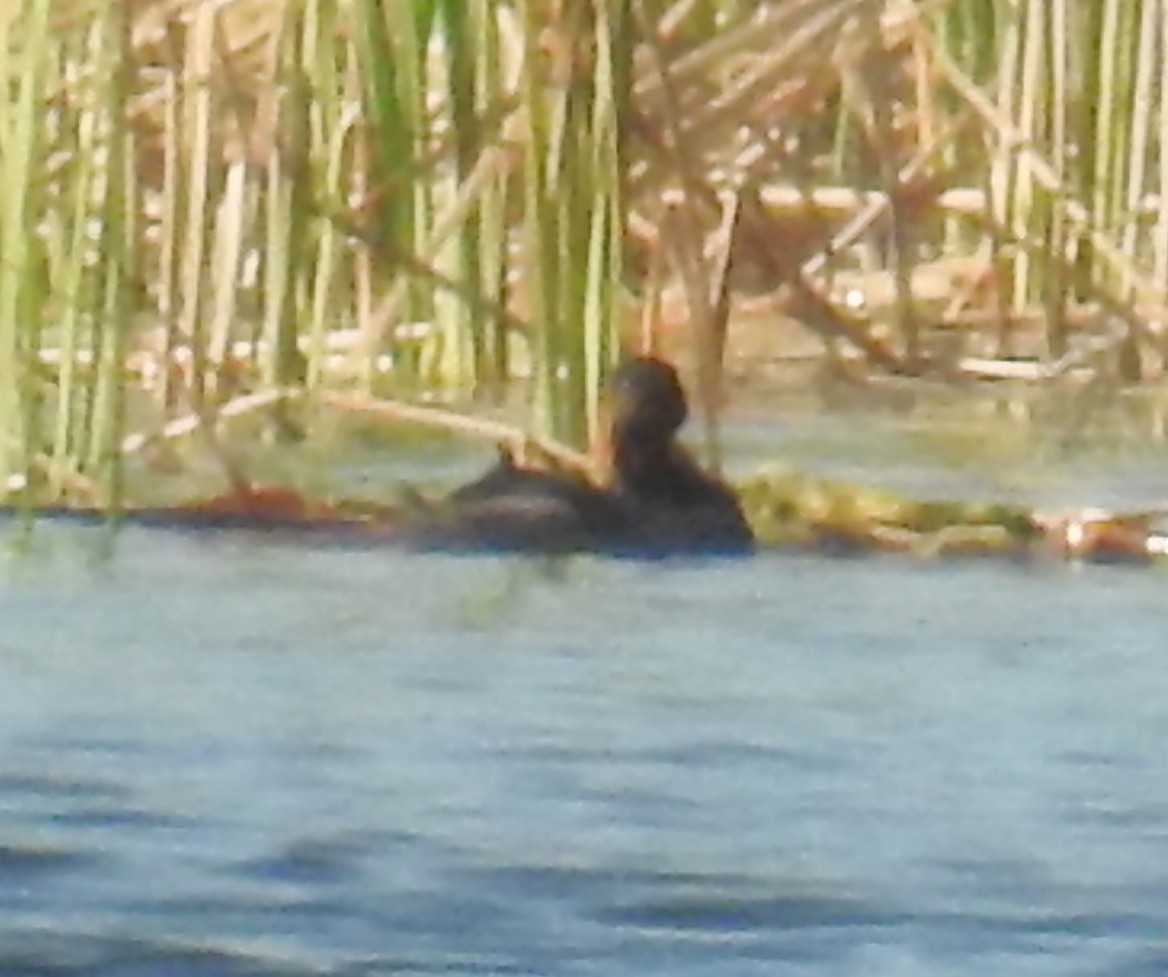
<point x="256" y="205"/>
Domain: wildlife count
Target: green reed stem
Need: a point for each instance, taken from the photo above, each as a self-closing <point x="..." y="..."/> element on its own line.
<point x="24" y="69"/>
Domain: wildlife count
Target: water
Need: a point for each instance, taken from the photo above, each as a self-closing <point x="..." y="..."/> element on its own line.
<point x="235" y="756"/>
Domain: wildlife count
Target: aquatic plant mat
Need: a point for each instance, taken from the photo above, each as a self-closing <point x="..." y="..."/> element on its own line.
<point x="788" y="510"/>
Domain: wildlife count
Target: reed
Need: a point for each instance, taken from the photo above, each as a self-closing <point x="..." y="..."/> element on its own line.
<point x="117" y="203"/>
<point x="214" y="204"/>
<point x="26" y="59"/>
<point x="573" y="93"/>
<point x="68" y="229"/>
<point x="1074" y="157"/>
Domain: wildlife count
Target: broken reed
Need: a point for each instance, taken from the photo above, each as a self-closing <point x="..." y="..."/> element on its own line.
<point x="419" y="198"/>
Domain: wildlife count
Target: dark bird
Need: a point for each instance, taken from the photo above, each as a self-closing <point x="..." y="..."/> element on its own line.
<point x="658" y="502"/>
<point x="678" y="506"/>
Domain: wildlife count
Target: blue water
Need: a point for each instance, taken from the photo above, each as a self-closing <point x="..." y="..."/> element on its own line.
<point x="236" y="756"/>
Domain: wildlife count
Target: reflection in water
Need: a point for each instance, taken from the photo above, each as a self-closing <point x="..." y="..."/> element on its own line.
<point x="225" y="756"/>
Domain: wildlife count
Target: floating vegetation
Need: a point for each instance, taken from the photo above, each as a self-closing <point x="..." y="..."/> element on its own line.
<point x="787" y="507"/>
<point x="788" y="511"/>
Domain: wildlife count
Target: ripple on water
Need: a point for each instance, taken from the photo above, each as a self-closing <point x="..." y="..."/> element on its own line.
<point x="649" y="908"/>
<point x="82" y="803"/>
<point x="116" y="817"/>
<point x="56" y="954"/>
<point x="1153" y="963"/>
<point x="728" y="912"/>
<point x="20" y="863"/>
<point x="59" y="786"/>
<point x="332" y="858"/>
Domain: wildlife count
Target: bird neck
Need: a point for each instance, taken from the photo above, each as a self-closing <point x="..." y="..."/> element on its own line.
<point x="644" y="464"/>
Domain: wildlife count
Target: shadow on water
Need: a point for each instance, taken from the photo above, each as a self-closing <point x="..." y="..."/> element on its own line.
<point x="235" y="756"/>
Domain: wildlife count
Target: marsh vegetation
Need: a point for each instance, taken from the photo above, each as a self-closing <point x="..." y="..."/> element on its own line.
<point x="226" y="224"/>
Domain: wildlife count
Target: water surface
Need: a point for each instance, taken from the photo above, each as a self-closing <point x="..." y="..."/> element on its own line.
<point x="236" y="755"/>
